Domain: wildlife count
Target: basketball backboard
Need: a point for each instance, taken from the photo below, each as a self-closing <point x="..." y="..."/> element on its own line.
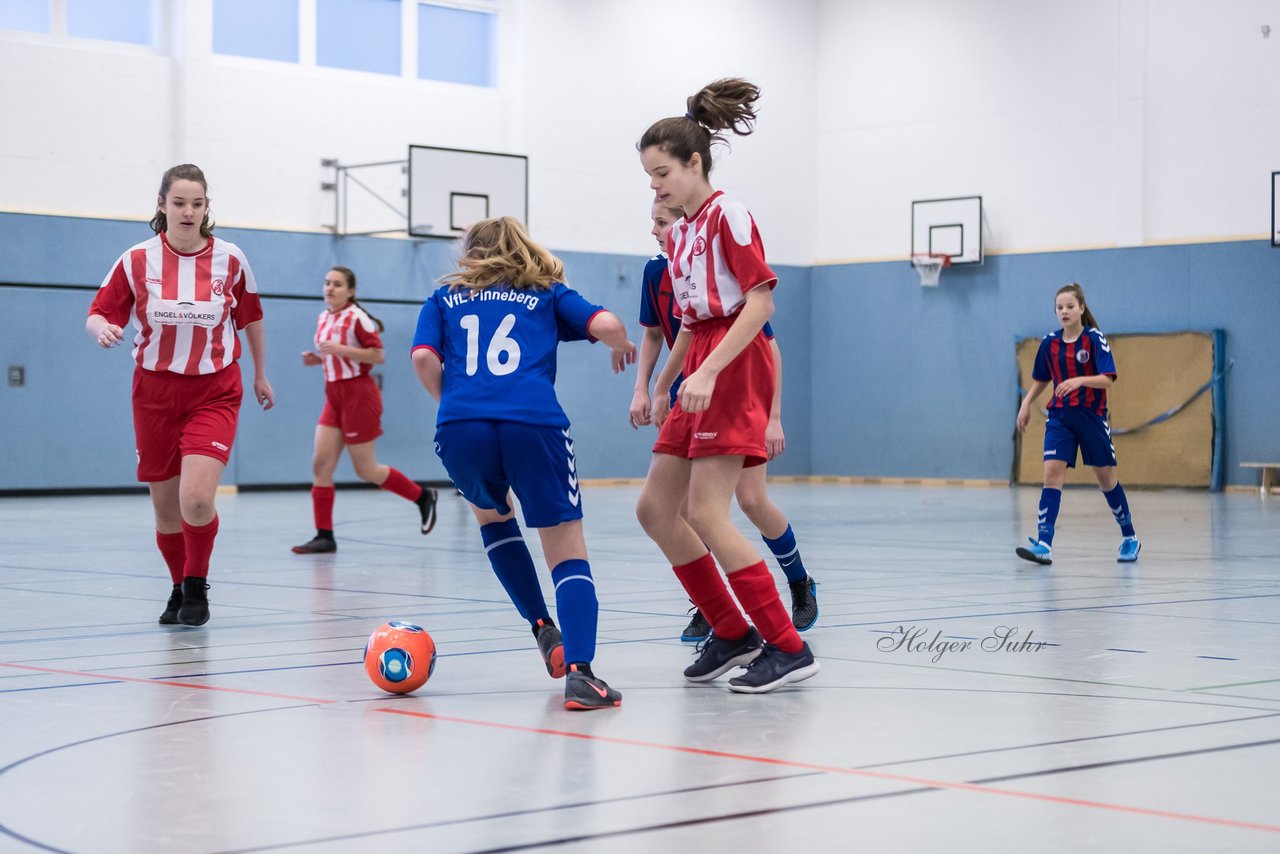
<point x="450" y="188"/>
<point x="951" y="227"/>
<point x="1275" y="200"/>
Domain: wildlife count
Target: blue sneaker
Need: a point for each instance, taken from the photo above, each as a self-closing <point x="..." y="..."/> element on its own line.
<point x="1129" y="548"/>
<point x="1038" y="553"/>
<point x="774" y="668"/>
<point x="717" y="656"/>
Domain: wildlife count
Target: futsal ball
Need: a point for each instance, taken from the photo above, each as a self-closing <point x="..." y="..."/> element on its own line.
<point x="399" y="657"/>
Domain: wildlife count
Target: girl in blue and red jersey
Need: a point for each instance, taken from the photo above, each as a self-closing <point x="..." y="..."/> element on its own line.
<point x="724" y="289"/>
<point x="659" y="314"/>
<point x="1077" y="361"/>
<point x="486" y="349"/>
<point x="347" y="347"/>
<point x="188" y="294"/>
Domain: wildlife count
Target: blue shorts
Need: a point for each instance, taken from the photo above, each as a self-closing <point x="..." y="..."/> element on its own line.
<point x="1076" y="427"/>
<point x="485" y="459"/>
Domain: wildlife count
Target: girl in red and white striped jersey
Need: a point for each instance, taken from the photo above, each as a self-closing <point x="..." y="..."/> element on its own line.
<point x="348" y="346"/>
<point x="724" y="289"/>
<point x="188" y="293"/>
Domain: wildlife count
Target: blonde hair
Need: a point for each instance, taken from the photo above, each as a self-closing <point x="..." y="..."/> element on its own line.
<point x="499" y="251"/>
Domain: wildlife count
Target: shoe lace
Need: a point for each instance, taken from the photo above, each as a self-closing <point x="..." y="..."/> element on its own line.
<point x="702" y="645"/>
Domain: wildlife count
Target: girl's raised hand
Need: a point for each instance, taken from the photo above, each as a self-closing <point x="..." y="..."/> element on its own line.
<point x="310" y="358"/>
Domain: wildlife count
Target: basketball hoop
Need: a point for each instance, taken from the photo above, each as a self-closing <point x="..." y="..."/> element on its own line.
<point x="929" y="265"/>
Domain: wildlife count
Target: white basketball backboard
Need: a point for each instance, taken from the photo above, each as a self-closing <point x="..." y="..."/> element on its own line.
<point x="950" y="227"/>
<point x="450" y="188"/>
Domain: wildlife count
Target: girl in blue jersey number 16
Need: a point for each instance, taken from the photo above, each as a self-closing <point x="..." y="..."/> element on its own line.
<point x="1077" y="361"/>
<point x="486" y="349"/>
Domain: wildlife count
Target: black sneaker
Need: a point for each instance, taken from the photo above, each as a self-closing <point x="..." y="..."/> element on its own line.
<point x="804" y="603"/>
<point x="317" y="545"/>
<point x="697" y="629"/>
<point x="170" y="615"/>
<point x="551" y="646"/>
<point x="775" y="668"/>
<point x="717" y="656"/>
<point x="427" y="508"/>
<point x="584" y="691"/>
<point x="195" y="602"/>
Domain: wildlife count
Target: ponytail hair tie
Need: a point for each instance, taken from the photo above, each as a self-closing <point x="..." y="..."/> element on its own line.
<point x="689" y="115"/>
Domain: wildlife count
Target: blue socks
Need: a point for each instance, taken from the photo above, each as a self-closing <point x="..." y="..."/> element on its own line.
<point x="577" y="608"/>
<point x="1120" y="509"/>
<point x="512" y="563"/>
<point x="788" y="554"/>
<point x="1050" y="501"/>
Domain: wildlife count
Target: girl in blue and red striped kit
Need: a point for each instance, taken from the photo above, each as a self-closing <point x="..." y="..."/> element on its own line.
<point x="347" y="347"/>
<point x="1077" y="361"/>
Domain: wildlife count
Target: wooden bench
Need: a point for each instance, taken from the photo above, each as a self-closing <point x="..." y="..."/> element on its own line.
<point x="1268" y="474"/>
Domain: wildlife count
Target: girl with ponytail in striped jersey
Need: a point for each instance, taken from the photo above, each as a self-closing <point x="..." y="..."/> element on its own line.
<point x="347" y="347"/>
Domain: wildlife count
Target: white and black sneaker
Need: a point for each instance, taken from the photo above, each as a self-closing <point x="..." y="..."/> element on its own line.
<point x="717" y="657"/>
<point x="775" y="668"/>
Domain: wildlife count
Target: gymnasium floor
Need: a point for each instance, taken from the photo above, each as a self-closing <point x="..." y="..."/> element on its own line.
<point x="1150" y="721"/>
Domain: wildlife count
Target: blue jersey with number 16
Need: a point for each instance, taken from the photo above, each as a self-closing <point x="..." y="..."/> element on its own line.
<point x="498" y="348"/>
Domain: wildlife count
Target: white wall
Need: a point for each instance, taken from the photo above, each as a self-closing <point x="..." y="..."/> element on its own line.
<point x="579" y="82"/>
<point x="1089" y="123"/>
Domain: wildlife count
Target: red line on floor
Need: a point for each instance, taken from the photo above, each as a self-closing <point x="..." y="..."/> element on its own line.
<point x="193" y="685"/>
<point x="697" y="751"/>
<point x="853" y="772"/>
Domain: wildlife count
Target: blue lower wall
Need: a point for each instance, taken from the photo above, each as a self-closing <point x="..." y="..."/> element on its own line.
<point x="70" y="425"/>
<point x="883" y="377"/>
<point x="910" y="381"/>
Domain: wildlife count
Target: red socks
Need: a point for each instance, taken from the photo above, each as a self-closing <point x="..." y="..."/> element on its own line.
<point x="322" y="505"/>
<point x="173" y="548"/>
<point x="754" y="588"/>
<point x="400" y="485"/>
<point x="705" y="586"/>
<point x="199" y="545"/>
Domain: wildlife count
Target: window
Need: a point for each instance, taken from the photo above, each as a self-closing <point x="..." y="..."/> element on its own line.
<point x="31" y="16"/>
<point x="129" y="21"/>
<point x="455" y="45"/>
<point x="262" y="29"/>
<point x="363" y="35"/>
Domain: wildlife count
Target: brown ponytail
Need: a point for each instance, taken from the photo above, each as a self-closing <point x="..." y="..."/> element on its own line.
<point x="351" y="283"/>
<point x="725" y="105"/>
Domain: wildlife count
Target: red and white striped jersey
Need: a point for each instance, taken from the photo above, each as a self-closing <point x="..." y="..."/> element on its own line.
<point x="186" y="307"/>
<point x="350" y="327"/>
<point x="716" y="257"/>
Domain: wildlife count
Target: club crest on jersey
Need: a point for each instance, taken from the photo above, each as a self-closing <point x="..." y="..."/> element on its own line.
<point x="700" y="246"/>
<point x="1082" y="356"/>
<point x="217" y="286"/>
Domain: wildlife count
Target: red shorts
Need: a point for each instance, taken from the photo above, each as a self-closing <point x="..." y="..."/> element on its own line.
<point x="735" y="422"/>
<point x="354" y="406"/>
<point x="175" y="415"/>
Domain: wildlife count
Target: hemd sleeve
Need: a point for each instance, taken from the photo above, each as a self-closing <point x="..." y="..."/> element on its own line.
<point x="649" y="291"/>
<point x="742" y="249"/>
<point x="573" y="313"/>
<point x="367" y="332"/>
<point x="114" y="299"/>
<point x="246" y="308"/>
<point x="1104" y="360"/>
<point x="1040" y="371"/>
<point x="430" y="331"/>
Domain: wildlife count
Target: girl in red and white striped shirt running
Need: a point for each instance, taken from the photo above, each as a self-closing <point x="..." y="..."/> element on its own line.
<point x="348" y="346"/>
<point x="188" y="293"/>
<point x="724" y="289"/>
